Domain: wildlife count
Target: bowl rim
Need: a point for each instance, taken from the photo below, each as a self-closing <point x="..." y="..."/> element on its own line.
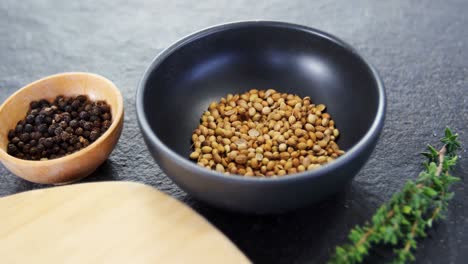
<point x="372" y="133"/>
<point x="4" y="156"/>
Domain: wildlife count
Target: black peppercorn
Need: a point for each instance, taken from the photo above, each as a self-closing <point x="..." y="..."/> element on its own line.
<point x="66" y="117"/>
<point x="84" y="115"/>
<point x="85" y="143"/>
<point x="63" y="124"/>
<point x="11" y="149"/>
<point x="73" y="139"/>
<point x="81" y="98"/>
<point x="19" y="128"/>
<point x="34" y="104"/>
<point x="58" y="99"/>
<point x="39" y="119"/>
<point x="82" y="122"/>
<point x="79" y="131"/>
<point x="48" y="120"/>
<point x="88" y="108"/>
<point x="28" y="128"/>
<point x="106" y="116"/>
<point x="57" y="118"/>
<point x="65" y="136"/>
<point x="88" y="126"/>
<point x="75" y="104"/>
<point x="57" y="139"/>
<point x="62" y="104"/>
<point x="74" y="123"/>
<point x="20" y="144"/>
<point x="26" y="148"/>
<point x="33" y="150"/>
<point x="47" y="111"/>
<point x="64" y="145"/>
<point x="93" y="118"/>
<point x="25" y="137"/>
<point x="58" y="131"/>
<point x="52" y="130"/>
<point x="42" y="128"/>
<point x="56" y="149"/>
<point x="96" y="111"/>
<point x="44" y="103"/>
<point x="15" y="140"/>
<point x="11" y="134"/>
<point x="106" y="123"/>
<point x="40" y="148"/>
<point x="36" y="135"/>
<point x="30" y="119"/>
<point x="93" y="135"/>
<point x="34" y="112"/>
<point x="105" y="108"/>
<point x="48" y="142"/>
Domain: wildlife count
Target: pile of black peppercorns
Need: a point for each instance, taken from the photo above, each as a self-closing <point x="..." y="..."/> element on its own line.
<point x="53" y="130"/>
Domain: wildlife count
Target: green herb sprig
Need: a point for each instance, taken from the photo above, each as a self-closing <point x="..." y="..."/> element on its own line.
<point x="409" y="212"/>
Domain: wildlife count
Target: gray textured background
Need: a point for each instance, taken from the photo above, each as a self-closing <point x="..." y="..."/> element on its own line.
<point x="419" y="47"/>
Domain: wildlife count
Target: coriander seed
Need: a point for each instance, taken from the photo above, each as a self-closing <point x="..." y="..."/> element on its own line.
<point x="264" y="133"/>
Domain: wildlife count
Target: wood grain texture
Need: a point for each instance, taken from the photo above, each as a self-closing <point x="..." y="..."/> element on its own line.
<point x="107" y="222"/>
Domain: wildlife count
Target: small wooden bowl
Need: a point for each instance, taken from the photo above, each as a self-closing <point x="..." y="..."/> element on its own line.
<point x="75" y="166"/>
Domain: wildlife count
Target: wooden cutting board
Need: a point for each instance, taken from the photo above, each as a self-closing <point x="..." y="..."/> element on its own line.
<point x="107" y="222"/>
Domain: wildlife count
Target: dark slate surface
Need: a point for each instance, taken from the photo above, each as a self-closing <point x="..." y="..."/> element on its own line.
<point x="419" y="47"/>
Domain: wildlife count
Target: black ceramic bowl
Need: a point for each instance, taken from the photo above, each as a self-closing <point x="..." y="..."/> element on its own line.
<point x="233" y="58"/>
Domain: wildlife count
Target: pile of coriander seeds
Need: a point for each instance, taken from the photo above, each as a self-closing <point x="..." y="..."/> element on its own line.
<point x="54" y="129"/>
<point x="265" y="133"/>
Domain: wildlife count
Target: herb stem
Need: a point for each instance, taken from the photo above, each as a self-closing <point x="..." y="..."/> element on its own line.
<point x="403" y="219"/>
<point x="435" y="213"/>
<point x="413" y="232"/>
<point x="442" y="152"/>
<point x="364" y="238"/>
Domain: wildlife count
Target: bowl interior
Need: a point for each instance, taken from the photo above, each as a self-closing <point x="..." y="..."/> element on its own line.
<point x="208" y="65"/>
<point x="67" y="84"/>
